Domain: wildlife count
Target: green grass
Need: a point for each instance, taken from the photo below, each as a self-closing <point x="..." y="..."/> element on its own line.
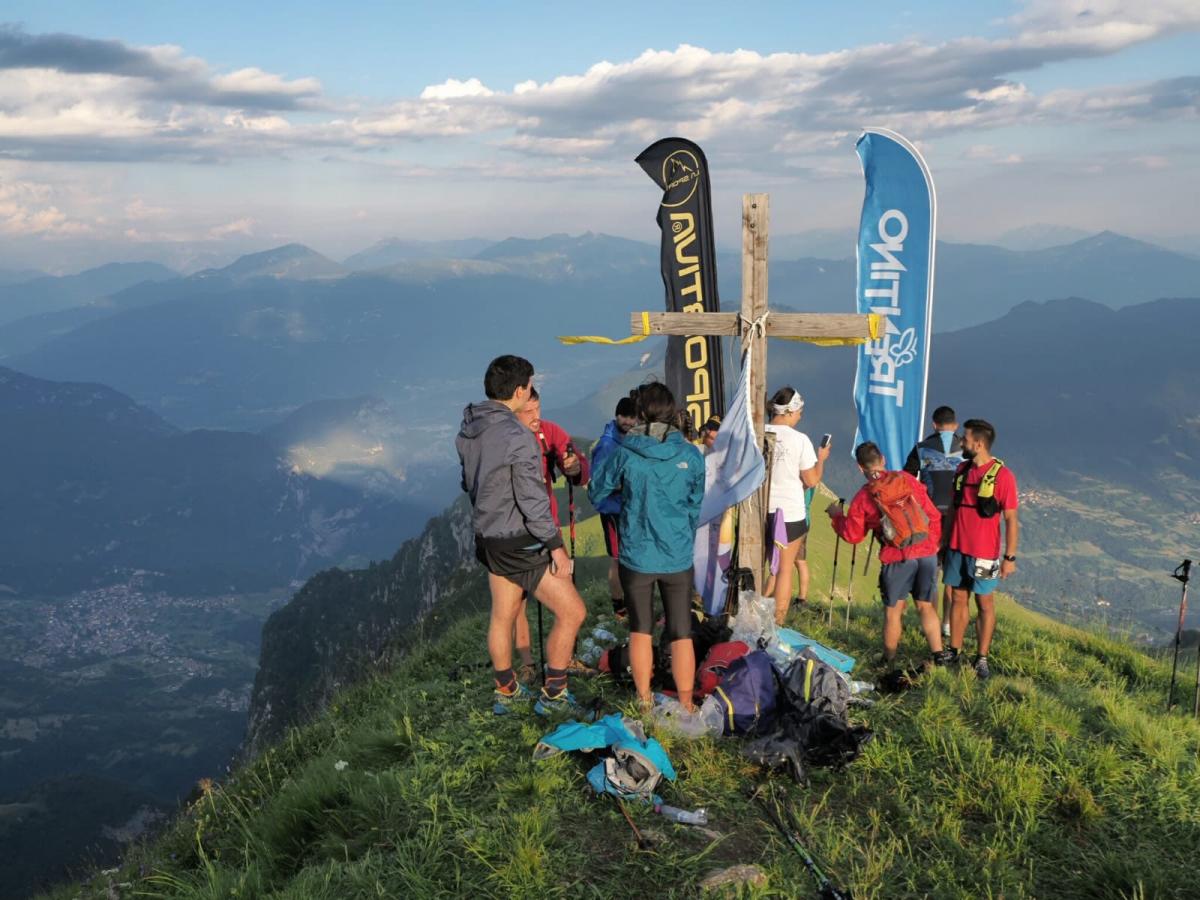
<point x="1061" y="777"/>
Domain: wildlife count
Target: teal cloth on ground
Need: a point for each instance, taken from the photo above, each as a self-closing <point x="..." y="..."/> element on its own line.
<point x="613" y="733"/>
<point x="794" y="641"/>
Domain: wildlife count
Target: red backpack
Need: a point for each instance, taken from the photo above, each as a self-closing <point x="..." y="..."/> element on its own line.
<point x="716" y="663"/>
<point x="904" y="523"/>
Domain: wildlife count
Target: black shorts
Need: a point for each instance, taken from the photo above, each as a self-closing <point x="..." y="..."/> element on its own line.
<point x="796" y="531"/>
<point x="608" y="524"/>
<point x="523" y="566"/>
<point x="675" y="588"/>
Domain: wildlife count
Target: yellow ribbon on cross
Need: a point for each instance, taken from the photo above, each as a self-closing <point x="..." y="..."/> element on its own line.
<point x="875" y="325"/>
<point x="596" y="339"/>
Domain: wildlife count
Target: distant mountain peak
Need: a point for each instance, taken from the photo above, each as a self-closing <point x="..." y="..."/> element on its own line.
<point x="393" y="251"/>
<point x="292" y="261"/>
<point x="1108" y="241"/>
<point x="1040" y="236"/>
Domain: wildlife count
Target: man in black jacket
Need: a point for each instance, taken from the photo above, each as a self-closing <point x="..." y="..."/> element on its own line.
<point x="934" y="461"/>
<point x="516" y="537"/>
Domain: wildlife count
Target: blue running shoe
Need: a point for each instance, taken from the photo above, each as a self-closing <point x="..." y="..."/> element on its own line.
<point x="504" y="703"/>
<point x="562" y="702"/>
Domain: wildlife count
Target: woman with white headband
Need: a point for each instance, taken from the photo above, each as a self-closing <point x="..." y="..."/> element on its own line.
<point x="796" y="465"/>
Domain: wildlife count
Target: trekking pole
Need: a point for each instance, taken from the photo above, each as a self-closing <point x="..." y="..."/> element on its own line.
<point x="833" y="584"/>
<point x="642" y="843"/>
<point x="541" y="641"/>
<point x="1196" y="700"/>
<point x="571" y="509"/>
<point x="791" y="835"/>
<point x="850" y="583"/>
<point x="1182" y="574"/>
<point x="870" y="551"/>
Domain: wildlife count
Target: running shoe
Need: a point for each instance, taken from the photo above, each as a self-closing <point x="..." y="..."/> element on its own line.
<point x="562" y="702"/>
<point x="982" y="672"/>
<point x="504" y="702"/>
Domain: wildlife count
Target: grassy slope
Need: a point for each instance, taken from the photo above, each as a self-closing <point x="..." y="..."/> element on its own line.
<point x="1060" y="777"/>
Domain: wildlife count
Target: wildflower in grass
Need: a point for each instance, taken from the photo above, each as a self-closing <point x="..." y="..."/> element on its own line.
<point x="340" y="765"/>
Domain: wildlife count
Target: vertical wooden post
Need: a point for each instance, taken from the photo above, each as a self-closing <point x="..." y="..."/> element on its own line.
<point x="752" y="513"/>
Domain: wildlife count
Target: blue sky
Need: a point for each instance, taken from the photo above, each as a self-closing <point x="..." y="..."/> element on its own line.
<point x="185" y="131"/>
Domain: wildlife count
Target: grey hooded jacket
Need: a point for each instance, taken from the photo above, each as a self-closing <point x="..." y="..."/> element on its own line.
<point x="502" y="471"/>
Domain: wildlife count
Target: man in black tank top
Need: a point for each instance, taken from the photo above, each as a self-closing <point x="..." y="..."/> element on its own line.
<point x="934" y="461"/>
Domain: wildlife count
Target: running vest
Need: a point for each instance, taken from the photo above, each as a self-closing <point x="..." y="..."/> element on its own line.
<point x="985" y="501"/>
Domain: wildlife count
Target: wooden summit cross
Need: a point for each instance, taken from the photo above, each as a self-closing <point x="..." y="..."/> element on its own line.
<point x="812" y="326"/>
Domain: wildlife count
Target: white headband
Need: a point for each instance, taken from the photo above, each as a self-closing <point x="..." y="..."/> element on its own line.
<point x="793" y="405"/>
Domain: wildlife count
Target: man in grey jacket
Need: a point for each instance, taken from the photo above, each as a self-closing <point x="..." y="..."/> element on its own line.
<point x="516" y="537"/>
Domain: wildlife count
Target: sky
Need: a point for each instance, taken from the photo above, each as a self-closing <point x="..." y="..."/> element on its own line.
<point x="189" y="133"/>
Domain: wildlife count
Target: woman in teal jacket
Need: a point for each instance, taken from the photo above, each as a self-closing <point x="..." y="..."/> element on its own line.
<point x="660" y="479"/>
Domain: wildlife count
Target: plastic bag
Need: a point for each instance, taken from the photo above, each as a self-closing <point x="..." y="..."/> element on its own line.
<point x="589" y="652"/>
<point x="754" y="624"/>
<point x="669" y="713"/>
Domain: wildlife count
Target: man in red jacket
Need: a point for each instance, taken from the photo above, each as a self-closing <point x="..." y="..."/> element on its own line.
<point x="906" y="569"/>
<point x="557" y="453"/>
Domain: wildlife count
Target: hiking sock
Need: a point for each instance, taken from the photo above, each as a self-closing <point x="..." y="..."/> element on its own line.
<point x="506" y="680"/>
<point x="556" y="682"/>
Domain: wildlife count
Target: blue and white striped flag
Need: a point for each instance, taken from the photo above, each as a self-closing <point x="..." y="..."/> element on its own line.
<point x="733" y="470"/>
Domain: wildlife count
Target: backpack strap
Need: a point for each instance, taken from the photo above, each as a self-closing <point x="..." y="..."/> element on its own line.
<point x="960" y="481"/>
<point x="987" y="486"/>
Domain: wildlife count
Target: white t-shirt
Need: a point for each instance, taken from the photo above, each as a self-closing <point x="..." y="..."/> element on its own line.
<point x="794" y="454"/>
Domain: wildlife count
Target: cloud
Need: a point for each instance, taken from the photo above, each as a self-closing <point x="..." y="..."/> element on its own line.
<point x="162" y="73"/>
<point x="65" y="97"/>
<point x="25" y="210"/>
<point x="243" y="226"/>
<point x="1152" y="162"/>
<point x="138" y="210"/>
<point x="452" y="89"/>
<point x="988" y="153"/>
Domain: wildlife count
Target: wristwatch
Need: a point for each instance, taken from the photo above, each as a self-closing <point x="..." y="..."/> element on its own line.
<point x="1008" y="558"/>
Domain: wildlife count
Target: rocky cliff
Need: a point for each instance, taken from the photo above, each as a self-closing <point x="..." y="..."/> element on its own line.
<point x="343" y="625"/>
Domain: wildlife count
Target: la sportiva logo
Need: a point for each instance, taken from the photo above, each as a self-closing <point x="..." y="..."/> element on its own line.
<point x="680" y="177"/>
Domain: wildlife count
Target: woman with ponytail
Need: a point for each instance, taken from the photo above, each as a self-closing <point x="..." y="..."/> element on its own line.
<point x="795" y="466"/>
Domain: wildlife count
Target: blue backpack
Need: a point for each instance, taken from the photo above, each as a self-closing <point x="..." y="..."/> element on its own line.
<point x="746" y="695"/>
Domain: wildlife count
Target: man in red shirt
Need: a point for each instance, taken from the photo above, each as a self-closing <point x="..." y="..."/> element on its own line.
<point x="905" y="571"/>
<point x="557" y="450"/>
<point x="985" y="493"/>
<point x="557" y="453"/>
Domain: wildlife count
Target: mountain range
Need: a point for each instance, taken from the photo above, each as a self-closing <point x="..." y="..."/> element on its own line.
<point x="21" y="297"/>
<point x="242" y="346"/>
<point x="96" y="484"/>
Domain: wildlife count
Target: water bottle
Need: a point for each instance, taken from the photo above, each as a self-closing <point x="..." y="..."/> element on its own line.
<point x="861" y="687"/>
<point x="695" y="817"/>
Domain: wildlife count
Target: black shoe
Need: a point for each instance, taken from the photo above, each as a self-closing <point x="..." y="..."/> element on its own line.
<point x="798" y="603"/>
<point x="619" y="609"/>
<point x="945" y="658"/>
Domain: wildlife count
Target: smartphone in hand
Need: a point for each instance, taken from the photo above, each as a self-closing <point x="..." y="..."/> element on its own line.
<point x="826" y="440"/>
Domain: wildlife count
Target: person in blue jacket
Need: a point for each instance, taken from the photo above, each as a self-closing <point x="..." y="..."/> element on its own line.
<point x="659" y="477"/>
<point x="610" y="508"/>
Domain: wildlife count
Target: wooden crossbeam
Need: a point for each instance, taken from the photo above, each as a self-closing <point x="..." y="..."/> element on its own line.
<point x="809" y="325"/>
